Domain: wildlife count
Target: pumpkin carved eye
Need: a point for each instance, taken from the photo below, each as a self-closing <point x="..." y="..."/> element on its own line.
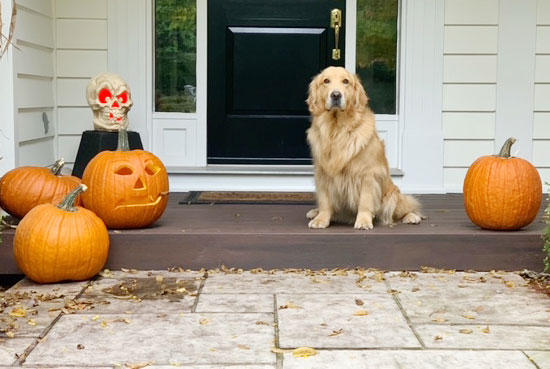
<point x="124" y="171"/>
<point x="152" y="169"/>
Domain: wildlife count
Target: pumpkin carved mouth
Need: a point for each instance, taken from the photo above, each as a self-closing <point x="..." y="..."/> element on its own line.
<point x="152" y="202"/>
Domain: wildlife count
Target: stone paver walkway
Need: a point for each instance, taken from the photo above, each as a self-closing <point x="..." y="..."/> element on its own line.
<point x="256" y="320"/>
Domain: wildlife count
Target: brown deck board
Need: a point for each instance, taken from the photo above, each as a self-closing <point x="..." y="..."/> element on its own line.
<point x="277" y="236"/>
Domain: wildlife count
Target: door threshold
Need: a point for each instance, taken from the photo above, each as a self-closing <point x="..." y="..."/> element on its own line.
<point x="298" y="170"/>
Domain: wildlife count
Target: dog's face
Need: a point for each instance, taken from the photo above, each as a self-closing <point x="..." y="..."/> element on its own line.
<point x="335" y="89"/>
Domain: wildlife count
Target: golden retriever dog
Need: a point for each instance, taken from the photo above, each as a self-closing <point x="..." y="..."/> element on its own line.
<point x="351" y="170"/>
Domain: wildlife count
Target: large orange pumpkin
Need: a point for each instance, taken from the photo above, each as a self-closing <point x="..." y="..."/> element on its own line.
<point x="128" y="189"/>
<point x="502" y="192"/>
<point x="21" y="189"/>
<point x="60" y="243"/>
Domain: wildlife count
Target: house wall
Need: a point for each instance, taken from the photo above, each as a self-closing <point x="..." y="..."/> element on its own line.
<point x="496" y="79"/>
<point x="494" y="83"/>
<point x="541" y="129"/>
<point x="34" y="83"/>
<point x="81" y="53"/>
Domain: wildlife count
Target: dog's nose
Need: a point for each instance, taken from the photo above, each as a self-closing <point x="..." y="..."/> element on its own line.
<point x="335" y="95"/>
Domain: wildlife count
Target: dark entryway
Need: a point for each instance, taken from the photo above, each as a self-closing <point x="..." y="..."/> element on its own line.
<point x="261" y="57"/>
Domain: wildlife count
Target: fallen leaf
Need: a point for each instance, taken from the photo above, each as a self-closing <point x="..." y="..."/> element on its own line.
<point x="361" y="313"/>
<point x="486" y="330"/>
<point x="336" y="333"/>
<point x="204" y="321"/>
<point x="304" y="352"/>
<point x="290" y="305"/>
<point x="19" y="312"/>
<point x="359" y="302"/>
<point x="468" y="316"/>
<point x="159" y="278"/>
<point x="104" y="324"/>
<point x="139" y="365"/>
<point x="80" y="346"/>
<point x="259" y="322"/>
<point x="510" y="284"/>
<point x="317" y="280"/>
<point x="439" y="320"/>
<point x="243" y="347"/>
<point x="438" y="338"/>
<point x="466" y="331"/>
<point x="10" y="334"/>
<point x="95" y="318"/>
<point x="393" y="292"/>
<point x="31" y="322"/>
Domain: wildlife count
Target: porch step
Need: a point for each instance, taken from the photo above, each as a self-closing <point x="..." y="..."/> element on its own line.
<point x="277" y="236"/>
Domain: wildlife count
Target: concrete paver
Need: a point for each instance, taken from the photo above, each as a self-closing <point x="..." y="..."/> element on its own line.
<point x="235" y="303"/>
<point x="331" y="321"/>
<point x="411" y="360"/>
<point x="161" y="338"/>
<point x="255" y="320"/>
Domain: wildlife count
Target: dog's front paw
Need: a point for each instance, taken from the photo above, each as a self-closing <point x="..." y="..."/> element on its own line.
<point x="412" y="218"/>
<point x="363" y="221"/>
<point x="312" y="213"/>
<point x="320" y="221"/>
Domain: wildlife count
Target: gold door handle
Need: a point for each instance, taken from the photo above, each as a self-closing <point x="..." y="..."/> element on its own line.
<point x="336" y="23"/>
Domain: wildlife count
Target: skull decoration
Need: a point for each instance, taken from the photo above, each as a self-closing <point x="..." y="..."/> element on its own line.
<point x="109" y="97"/>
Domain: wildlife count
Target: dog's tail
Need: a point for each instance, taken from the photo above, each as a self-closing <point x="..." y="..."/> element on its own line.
<point x="395" y="206"/>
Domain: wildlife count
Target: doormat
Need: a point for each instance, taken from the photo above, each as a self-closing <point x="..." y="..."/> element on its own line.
<point x="267" y="198"/>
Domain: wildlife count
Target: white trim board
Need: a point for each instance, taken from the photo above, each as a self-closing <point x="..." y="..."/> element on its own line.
<point x="8" y="139"/>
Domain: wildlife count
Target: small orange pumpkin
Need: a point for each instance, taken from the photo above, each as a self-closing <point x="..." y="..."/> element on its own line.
<point x="61" y="243"/>
<point x="502" y="192"/>
<point x="128" y="189"/>
<point x="21" y="189"/>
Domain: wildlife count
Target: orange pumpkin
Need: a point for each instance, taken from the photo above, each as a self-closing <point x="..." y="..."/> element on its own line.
<point x="128" y="189"/>
<point x="502" y="192"/>
<point x="21" y="189"/>
<point x="61" y="243"/>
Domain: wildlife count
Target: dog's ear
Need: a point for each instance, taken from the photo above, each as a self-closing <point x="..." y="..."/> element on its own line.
<point x="361" y="98"/>
<point x="314" y="100"/>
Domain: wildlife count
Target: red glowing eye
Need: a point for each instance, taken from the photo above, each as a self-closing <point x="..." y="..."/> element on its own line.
<point x="104" y="95"/>
<point x="123" y="97"/>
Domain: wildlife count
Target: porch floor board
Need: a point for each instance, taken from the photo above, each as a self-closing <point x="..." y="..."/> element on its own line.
<point x="277" y="236"/>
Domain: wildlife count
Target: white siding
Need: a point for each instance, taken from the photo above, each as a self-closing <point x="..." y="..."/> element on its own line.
<point x="34" y="83"/>
<point x="469" y="85"/>
<point x="81" y="52"/>
<point x="541" y="128"/>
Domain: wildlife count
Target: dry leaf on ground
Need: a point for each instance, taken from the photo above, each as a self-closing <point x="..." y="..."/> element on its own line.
<point x="304" y="352"/>
<point x="336" y="333"/>
<point x="289" y="305"/>
<point x="466" y="331"/>
<point x="139" y="365"/>
<point x="359" y="302"/>
<point x="361" y="313"/>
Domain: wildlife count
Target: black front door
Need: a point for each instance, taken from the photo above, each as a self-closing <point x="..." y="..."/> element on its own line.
<point x="262" y="55"/>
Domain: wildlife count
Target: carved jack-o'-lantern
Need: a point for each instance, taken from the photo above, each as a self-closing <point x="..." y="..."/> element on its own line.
<point x="127" y="189"/>
<point x="110" y="98"/>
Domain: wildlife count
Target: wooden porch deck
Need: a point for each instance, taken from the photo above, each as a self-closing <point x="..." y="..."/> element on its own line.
<point x="276" y="236"/>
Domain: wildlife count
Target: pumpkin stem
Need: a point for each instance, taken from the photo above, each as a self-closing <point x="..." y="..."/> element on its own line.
<point x="123" y="143"/>
<point x="68" y="203"/>
<point x="56" y="168"/>
<point x="505" y="151"/>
